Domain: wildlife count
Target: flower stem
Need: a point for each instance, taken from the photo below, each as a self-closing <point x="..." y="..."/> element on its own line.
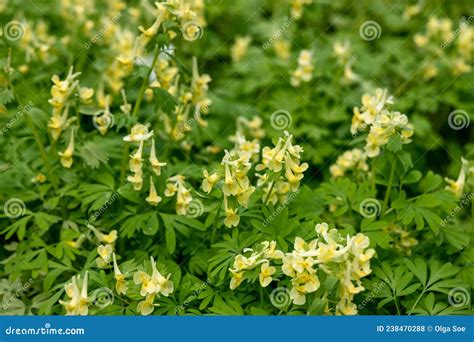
<point x="389" y="188"/>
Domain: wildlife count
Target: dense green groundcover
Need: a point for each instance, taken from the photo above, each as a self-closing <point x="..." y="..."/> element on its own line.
<point x="279" y="157"/>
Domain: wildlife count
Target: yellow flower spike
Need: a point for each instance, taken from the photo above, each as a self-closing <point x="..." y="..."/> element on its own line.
<point x="153" y="197"/>
<point x="66" y="156"/>
<point x="155" y="163"/>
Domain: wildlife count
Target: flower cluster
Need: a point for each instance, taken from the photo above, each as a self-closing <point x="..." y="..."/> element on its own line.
<point x="235" y="165"/>
<point x="151" y="285"/>
<point x="342" y="51"/>
<point x="347" y="259"/>
<point x="176" y="186"/>
<point x="61" y="92"/>
<point x="283" y="160"/>
<point x="78" y="297"/>
<point x="304" y="71"/>
<point x="192" y="99"/>
<point x="106" y="249"/>
<point x="354" y="159"/>
<point x="179" y="12"/>
<point x="438" y="39"/>
<point x="383" y="123"/>
<point x="260" y="256"/>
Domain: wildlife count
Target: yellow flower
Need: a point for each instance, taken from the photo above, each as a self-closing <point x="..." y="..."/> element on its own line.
<point x="236" y="279"/>
<point x="232" y="219"/>
<point x="66" y="156"/>
<point x="266" y="272"/>
<point x="304" y="71"/>
<point x="153" y="197"/>
<point x="85" y="94"/>
<point x="120" y="284"/>
<point x="135" y="162"/>
<point x="240" y="47"/>
<point x="457" y="187"/>
<point x="155" y="163"/>
<point x="105" y="253"/>
<point x="136" y="180"/>
<point x="148" y="34"/>
<point x="176" y="185"/>
<point x="146" y="307"/>
<point x="209" y="181"/>
<point x="154" y="283"/>
<point x="78" y="243"/>
<point x="138" y="133"/>
<point x="107" y="238"/>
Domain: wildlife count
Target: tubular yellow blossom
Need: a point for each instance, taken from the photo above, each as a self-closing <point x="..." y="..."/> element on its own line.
<point x="153" y="197"/>
<point x="155" y="163"/>
<point x="66" y="156"/>
<point x="120" y="285"/>
<point x="106" y="238"/>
